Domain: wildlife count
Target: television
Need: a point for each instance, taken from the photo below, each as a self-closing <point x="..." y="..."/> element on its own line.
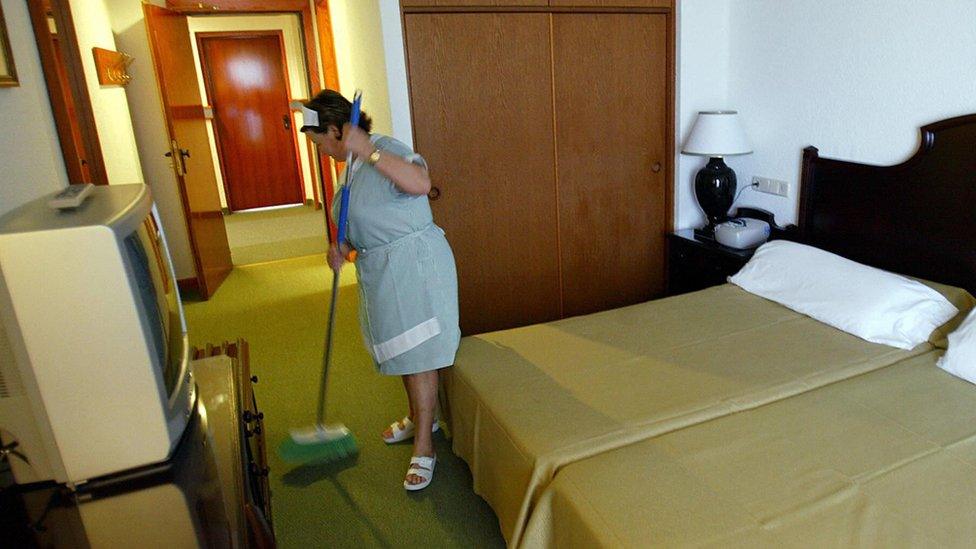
<point x="100" y="380"/>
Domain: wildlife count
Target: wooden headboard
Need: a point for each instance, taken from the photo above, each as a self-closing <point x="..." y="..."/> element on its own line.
<point x="917" y="218"/>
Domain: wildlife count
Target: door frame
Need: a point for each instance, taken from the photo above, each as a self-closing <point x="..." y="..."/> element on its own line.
<point x="77" y="86"/>
<point x="320" y="164"/>
<point x="200" y="37"/>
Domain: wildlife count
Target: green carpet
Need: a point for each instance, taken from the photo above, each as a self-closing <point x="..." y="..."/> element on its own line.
<point x="280" y="308"/>
<point x="257" y="236"/>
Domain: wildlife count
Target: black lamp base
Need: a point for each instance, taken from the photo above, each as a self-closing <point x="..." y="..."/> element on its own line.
<point x="715" y="190"/>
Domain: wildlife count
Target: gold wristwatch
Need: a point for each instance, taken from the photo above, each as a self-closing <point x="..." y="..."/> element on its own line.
<point x="374" y="157"/>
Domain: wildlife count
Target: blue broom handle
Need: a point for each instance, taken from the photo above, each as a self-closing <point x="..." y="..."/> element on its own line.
<point x="344" y="193"/>
<point x="340" y="238"/>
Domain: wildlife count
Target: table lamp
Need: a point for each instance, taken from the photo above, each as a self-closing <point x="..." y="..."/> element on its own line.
<point x="716" y="134"/>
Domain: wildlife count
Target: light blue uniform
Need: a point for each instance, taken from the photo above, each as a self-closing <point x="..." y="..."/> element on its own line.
<point x="405" y="267"/>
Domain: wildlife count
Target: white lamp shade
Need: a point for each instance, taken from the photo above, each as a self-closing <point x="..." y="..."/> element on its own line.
<point x="717" y="133"/>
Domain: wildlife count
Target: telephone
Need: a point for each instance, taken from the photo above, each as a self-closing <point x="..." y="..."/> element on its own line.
<point x="742" y="232"/>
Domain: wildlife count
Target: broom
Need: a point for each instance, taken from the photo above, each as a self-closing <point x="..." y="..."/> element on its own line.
<point x="323" y="443"/>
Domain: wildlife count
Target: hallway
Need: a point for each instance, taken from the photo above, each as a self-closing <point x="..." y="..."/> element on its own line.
<point x="259" y="236"/>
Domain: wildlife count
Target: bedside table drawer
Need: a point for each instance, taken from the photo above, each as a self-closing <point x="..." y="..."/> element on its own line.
<point x="694" y="265"/>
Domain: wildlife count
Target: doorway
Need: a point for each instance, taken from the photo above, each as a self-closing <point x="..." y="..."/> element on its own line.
<point x="250" y="48"/>
<point x="245" y="75"/>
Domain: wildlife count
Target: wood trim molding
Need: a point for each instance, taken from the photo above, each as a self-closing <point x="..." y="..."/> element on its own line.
<point x="189" y="112"/>
<point x="192" y="6"/>
<point x="84" y="113"/>
<point x="323" y="20"/>
<point x="671" y="163"/>
<point x="74" y="69"/>
<point x="237" y="34"/>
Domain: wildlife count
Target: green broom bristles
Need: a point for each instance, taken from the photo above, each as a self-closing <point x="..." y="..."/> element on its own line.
<point x="319" y="452"/>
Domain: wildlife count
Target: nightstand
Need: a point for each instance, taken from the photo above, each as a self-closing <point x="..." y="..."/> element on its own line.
<point x="695" y="264"/>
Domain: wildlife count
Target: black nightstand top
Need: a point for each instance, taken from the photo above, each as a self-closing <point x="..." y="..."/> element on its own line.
<point x="714" y="247"/>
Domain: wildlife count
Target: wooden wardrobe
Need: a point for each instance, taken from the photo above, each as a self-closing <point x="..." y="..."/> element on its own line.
<point x="548" y="127"/>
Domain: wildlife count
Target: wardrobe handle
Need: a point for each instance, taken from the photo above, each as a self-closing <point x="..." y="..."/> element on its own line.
<point x="434" y="193"/>
<point x="656" y="167"/>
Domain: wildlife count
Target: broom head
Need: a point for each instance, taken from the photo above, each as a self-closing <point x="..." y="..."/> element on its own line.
<point x="318" y="444"/>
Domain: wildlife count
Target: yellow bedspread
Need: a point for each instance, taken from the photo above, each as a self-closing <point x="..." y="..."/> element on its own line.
<point x="525" y="402"/>
<point x="886" y="459"/>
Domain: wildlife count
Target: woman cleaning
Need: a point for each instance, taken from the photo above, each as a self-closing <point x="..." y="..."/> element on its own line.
<point x="404" y="265"/>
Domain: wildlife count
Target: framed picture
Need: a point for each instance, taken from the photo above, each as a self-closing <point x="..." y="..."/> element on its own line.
<point x="8" y="74"/>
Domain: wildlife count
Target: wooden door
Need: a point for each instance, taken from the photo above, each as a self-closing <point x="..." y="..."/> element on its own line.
<point x="473" y="3"/>
<point x="72" y="143"/>
<point x="613" y="3"/>
<point x="247" y="86"/>
<point x="482" y="109"/>
<point x="169" y="39"/>
<point x="611" y="98"/>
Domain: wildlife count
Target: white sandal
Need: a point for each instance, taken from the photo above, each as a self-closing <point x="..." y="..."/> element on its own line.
<point x="423" y="467"/>
<point x="406" y="433"/>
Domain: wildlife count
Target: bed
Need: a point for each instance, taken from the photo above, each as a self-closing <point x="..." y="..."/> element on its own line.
<point x="524" y="405"/>
<point x="886" y="459"/>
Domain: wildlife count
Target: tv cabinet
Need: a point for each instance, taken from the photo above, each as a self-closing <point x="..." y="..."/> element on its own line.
<point x="221" y="370"/>
<point x="213" y="491"/>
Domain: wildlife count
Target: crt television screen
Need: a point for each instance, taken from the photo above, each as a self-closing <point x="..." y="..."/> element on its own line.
<point x="159" y="298"/>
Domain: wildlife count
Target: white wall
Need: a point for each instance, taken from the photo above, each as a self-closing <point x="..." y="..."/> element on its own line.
<point x="149" y="124"/>
<point x="702" y="84"/>
<point x="396" y="71"/>
<point x="361" y="58"/>
<point x="292" y="32"/>
<point x="109" y="103"/>
<point x="855" y="79"/>
<point x="30" y="156"/>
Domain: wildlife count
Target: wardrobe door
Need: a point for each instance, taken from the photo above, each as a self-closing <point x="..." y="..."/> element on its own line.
<point x="611" y="92"/>
<point x="481" y="98"/>
<point x="612" y="3"/>
<point x="470" y="3"/>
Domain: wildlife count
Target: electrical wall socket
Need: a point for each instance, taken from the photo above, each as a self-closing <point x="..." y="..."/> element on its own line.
<point x="771" y="186"/>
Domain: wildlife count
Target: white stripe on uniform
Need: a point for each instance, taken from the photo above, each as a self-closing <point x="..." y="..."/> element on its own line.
<point x="402" y="343"/>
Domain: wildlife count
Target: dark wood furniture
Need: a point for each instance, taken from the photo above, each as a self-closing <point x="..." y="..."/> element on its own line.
<point x="697" y="264"/>
<point x="548" y="130"/>
<point x="574" y="4"/>
<point x="916" y="218"/>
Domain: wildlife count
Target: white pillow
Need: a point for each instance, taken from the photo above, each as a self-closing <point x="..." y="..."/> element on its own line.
<point x="869" y="303"/>
<point x="960" y="358"/>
